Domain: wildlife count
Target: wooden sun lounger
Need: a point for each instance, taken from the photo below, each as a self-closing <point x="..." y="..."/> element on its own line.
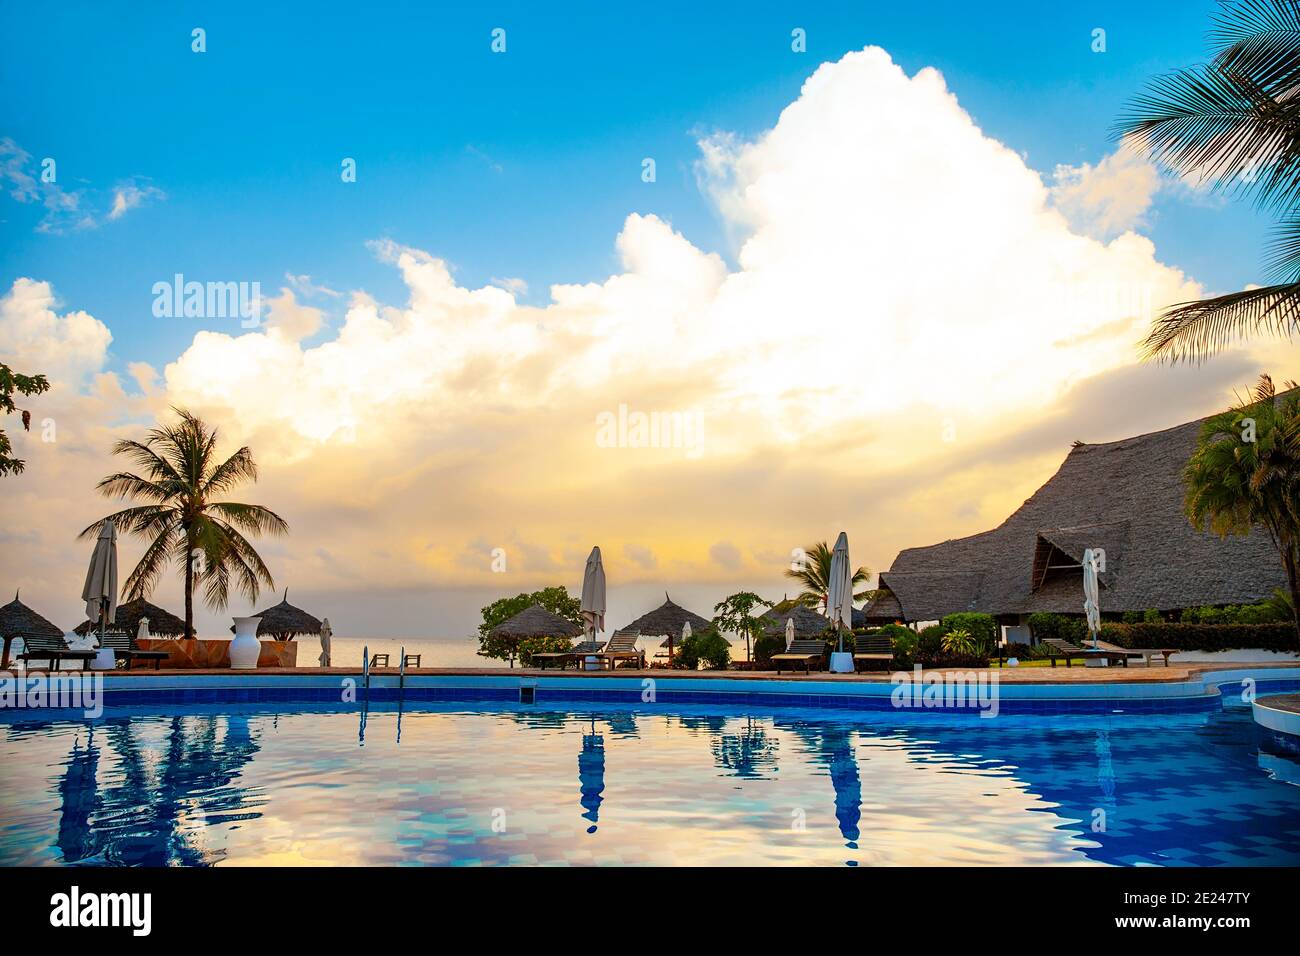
<point x="54" y="650"/>
<point x="875" y="647"/>
<point x="123" y="645"/>
<point x="622" y="647"/>
<point x="576" y="653"/>
<point x="801" y="652"/>
<point x="1145" y="653"/>
<point x="1064" y="649"/>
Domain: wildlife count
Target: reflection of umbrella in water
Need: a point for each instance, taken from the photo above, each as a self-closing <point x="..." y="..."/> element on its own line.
<point x="79" y="802"/>
<point x="844" y="778"/>
<point x="591" y="775"/>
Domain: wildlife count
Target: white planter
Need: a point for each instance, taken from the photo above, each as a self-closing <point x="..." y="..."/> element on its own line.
<point x="105" y="660"/>
<point x="841" y="662"/>
<point x="245" y="648"/>
<point x="1094" y="661"/>
<point x="592" y="664"/>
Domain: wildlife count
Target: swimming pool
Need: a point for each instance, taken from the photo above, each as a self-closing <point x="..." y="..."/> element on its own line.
<point x="465" y="783"/>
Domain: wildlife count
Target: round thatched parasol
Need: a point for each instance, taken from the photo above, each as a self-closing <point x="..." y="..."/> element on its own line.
<point x="285" y="622"/>
<point x="807" y="622"/>
<point x="161" y="623"/>
<point x="18" y="620"/>
<point x="536" y="621"/>
<point x="666" y="621"/>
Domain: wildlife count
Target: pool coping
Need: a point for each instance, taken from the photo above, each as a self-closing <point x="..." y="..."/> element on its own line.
<point x="1199" y="692"/>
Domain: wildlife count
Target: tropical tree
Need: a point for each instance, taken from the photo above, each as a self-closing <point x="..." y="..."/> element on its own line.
<point x="11" y="382"/>
<point x="1245" y="472"/>
<point x="1233" y="123"/>
<point x="735" y="615"/>
<point x="814" y="574"/>
<point x="180" y="519"/>
<point x="555" y="599"/>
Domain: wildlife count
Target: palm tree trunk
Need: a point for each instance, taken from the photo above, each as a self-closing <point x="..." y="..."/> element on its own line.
<point x="189" y="586"/>
<point x="1290" y="562"/>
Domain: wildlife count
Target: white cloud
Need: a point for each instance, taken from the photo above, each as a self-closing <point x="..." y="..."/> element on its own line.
<point x="130" y="195"/>
<point x="35" y="337"/>
<point x="1109" y="198"/>
<point x="67" y="210"/>
<point x="907" y="297"/>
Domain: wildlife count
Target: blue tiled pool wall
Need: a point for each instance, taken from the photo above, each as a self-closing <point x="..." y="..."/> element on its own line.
<point x="1187" y="697"/>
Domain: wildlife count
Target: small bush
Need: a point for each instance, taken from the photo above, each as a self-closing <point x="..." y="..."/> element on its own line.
<point x="959" y="642"/>
<point x="708" y="646"/>
<point x="982" y="628"/>
<point x="765" y="645"/>
<point x="1233" y="614"/>
<point x="528" y="646"/>
<point x="1204" y="637"/>
<point x="1045" y="626"/>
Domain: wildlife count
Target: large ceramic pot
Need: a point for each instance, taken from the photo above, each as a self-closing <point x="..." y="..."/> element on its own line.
<point x="245" y="648"/>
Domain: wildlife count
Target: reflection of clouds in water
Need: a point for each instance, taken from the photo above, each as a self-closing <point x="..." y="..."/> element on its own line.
<point x="694" y="787"/>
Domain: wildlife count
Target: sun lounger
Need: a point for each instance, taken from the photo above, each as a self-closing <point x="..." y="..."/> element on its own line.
<point x="53" y="650"/>
<point x="124" y="648"/>
<point x="378" y="659"/>
<point x="622" y="647"/>
<point x="1064" y="649"/>
<point x="576" y="653"/>
<point x="873" y="647"/>
<point x="1145" y="653"/>
<point x="804" y="652"/>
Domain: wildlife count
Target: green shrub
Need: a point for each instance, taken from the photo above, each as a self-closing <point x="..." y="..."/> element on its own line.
<point x="708" y="646"/>
<point x="960" y="642"/>
<point x="1267" y="613"/>
<point x="1046" y="626"/>
<point x="982" y="628"/>
<point x="765" y="645"/>
<point x="1149" y="616"/>
<point x="528" y="646"/>
<point x="1204" y="637"/>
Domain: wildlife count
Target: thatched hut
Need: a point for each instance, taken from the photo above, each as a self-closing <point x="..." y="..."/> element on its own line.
<point x="807" y="622"/>
<point x="666" y="621"/>
<point x="161" y="623"/>
<point x="1124" y="497"/>
<point x="533" y="621"/>
<point x="18" y="620"/>
<point x="536" y="621"/>
<point x="284" y="622"/>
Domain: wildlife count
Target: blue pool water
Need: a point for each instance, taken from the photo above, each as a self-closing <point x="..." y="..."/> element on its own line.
<point x="443" y="783"/>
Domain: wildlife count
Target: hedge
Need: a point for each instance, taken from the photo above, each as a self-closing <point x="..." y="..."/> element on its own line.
<point x="1204" y="637"/>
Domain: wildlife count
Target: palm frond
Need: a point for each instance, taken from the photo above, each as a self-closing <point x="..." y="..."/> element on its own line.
<point x="143" y="520"/>
<point x="1192" y="331"/>
<point x="144" y="578"/>
<point x="254" y="519"/>
<point x="238" y="468"/>
<point x="1259" y="38"/>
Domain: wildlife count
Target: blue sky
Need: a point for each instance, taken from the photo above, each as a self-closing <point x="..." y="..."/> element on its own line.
<point x="517" y="165"/>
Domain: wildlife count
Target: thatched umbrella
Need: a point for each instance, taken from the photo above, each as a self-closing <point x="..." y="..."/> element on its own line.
<point x="18" y="620"/>
<point x="284" y="621"/>
<point x="534" y="621"/>
<point x="666" y="621"/>
<point x="807" y="622"/>
<point x="161" y="623"/>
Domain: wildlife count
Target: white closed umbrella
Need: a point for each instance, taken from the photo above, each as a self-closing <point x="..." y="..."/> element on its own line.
<point x="593" y="597"/>
<point x="1091" y="598"/>
<point x="100" y="589"/>
<point x="142" y="632"/>
<point x="325" y="634"/>
<point x="789" y="632"/>
<point x="839" y="596"/>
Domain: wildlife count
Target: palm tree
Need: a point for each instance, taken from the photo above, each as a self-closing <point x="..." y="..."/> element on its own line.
<point x="180" y="519"/>
<point x="815" y="575"/>
<point x="1233" y="123"/>
<point x="1245" y="472"/>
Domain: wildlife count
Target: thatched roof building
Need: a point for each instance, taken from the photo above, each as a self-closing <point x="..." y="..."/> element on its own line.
<point x="536" y="621"/>
<point x="807" y="622"/>
<point x="1125" y="497"/>
<point x="127" y="618"/>
<point x="17" y="620"/>
<point x="666" y="621"/>
<point x="284" y="621"/>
